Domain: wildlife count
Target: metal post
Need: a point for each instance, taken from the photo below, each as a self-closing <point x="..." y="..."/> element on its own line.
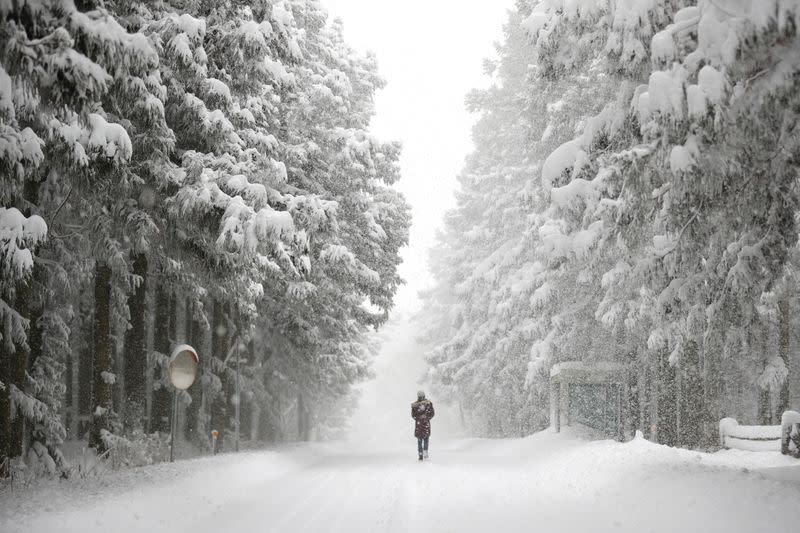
<point x="174" y="425"/>
<point x="238" y="399"/>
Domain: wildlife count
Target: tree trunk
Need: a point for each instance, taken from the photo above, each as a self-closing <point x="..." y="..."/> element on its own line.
<point x="35" y="345"/>
<point x="101" y="367"/>
<point x="246" y="407"/>
<point x="647" y="393"/>
<point x="20" y="359"/>
<point x="764" y="400"/>
<point x="85" y="350"/>
<point x="69" y="395"/>
<point x="667" y="401"/>
<point x="135" y="366"/>
<point x="691" y="414"/>
<point x="163" y="328"/>
<point x="712" y="385"/>
<point x="303" y="419"/>
<point x="764" y="415"/>
<point x="195" y="423"/>
<point x="632" y="413"/>
<point x="784" y="347"/>
<point x="7" y="358"/>
<point x="219" y="349"/>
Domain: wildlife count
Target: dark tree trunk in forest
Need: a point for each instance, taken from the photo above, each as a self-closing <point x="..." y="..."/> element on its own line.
<point x="266" y="431"/>
<point x="667" y="401"/>
<point x="711" y="373"/>
<point x="784" y="347"/>
<point x="19" y="366"/>
<point x="219" y="349"/>
<point x="764" y="401"/>
<point x="246" y="407"/>
<point x="35" y="339"/>
<point x="303" y="419"/>
<point x="102" y="388"/>
<point x="764" y="411"/>
<point x="163" y="332"/>
<point x="7" y="359"/>
<point x="85" y="364"/>
<point x="632" y="415"/>
<point x="35" y="333"/>
<point x="69" y="391"/>
<point x="135" y="366"/>
<point x="647" y="397"/>
<point x="691" y="414"/>
<point x="195" y="333"/>
<point x="29" y="303"/>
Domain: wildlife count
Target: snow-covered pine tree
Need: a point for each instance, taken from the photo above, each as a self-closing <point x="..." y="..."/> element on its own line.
<point x="277" y="97"/>
<point x="479" y="318"/>
<point x="653" y="240"/>
<point x="608" y="46"/>
<point x="353" y="223"/>
<point x="216" y="156"/>
<point x="57" y="61"/>
<point x="714" y="243"/>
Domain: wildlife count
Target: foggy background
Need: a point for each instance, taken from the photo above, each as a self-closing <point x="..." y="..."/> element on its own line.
<point x="432" y="66"/>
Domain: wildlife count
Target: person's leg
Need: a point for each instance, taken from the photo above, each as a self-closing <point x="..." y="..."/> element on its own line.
<point x="419" y="447"/>
<point x="425" y="447"/>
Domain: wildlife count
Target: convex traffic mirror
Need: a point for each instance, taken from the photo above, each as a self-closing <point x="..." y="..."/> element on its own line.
<point x="183" y="364"/>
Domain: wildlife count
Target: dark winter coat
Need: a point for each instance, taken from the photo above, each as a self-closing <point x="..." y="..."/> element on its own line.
<point x="422" y="412"/>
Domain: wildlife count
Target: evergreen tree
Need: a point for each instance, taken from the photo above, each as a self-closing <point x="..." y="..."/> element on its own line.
<point x="658" y="233"/>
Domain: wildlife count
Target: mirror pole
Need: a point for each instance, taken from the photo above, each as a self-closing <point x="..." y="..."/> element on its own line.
<point x="174" y="425"/>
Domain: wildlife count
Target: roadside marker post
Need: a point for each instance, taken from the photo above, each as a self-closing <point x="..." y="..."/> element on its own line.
<point x="214" y="435"/>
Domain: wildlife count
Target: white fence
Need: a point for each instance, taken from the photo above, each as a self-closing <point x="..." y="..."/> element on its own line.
<point x="752" y="438"/>
<point x="781" y="438"/>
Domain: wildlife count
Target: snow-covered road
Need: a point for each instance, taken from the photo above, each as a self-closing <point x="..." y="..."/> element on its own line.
<point x="545" y="483"/>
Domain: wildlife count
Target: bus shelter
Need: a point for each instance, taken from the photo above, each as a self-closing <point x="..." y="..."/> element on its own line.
<point x="588" y="394"/>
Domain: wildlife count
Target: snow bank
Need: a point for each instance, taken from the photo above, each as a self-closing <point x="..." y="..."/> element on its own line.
<point x="140" y="499"/>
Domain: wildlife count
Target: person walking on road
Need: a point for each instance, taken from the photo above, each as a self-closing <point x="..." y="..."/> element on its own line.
<point x="422" y="412"/>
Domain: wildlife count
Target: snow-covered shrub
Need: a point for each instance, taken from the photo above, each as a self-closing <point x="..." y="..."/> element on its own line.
<point x="137" y="449"/>
<point x="40" y="461"/>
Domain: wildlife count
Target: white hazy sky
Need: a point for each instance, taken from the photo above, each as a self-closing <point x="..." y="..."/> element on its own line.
<point x="431" y="54"/>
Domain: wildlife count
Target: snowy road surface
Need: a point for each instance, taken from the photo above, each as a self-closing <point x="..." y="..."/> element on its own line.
<point x="545" y="483"/>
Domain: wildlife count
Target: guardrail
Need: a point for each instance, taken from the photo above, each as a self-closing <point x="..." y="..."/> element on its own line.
<point x="784" y="438"/>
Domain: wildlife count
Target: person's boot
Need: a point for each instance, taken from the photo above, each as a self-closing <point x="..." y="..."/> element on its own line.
<point x="420" y="457"/>
<point x="425" y="454"/>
